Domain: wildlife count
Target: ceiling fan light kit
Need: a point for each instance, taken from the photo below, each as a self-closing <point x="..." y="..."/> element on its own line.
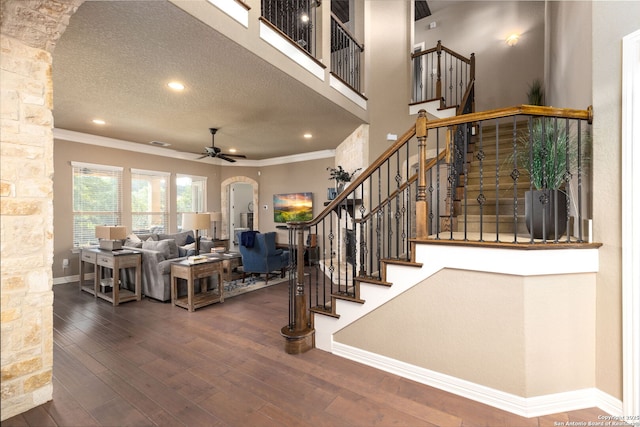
<point x="215" y="152"/>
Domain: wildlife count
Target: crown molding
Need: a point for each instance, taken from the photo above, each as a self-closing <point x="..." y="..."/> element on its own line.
<point x="120" y="144"/>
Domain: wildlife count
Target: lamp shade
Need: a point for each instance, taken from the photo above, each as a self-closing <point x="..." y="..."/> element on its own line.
<point x="216" y="216"/>
<point x="196" y="221"/>
<point x="111" y="232"/>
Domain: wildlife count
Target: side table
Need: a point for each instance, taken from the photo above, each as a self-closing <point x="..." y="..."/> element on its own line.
<point x="190" y="272"/>
<point x="114" y="260"/>
<point x="231" y="261"/>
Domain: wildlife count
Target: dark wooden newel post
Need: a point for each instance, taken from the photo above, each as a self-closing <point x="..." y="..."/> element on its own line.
<point x="298" y="335"/>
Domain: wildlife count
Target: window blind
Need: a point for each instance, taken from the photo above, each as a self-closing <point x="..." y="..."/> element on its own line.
<point x="97" y="200"/>
<point x="149" y="201"/>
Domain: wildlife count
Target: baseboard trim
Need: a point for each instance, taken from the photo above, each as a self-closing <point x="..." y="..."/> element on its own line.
<point x="70" y="279"/>
<point x="523" y="406"/>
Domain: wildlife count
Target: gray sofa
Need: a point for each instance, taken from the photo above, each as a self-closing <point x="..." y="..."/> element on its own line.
<point x="158" y="252"/>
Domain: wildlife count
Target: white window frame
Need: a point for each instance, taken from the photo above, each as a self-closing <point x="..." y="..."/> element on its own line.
<point x="85" y="235"/>
<point x="163" y="227"/>
<point x="199" y="194"/>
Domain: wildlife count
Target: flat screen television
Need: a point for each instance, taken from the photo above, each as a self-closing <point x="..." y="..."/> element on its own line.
<point x="292" y="207"/>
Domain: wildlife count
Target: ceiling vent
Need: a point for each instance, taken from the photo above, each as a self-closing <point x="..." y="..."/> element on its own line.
<point x="160" y="143"/>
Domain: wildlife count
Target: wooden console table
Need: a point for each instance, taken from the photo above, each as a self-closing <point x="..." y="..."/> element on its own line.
<point x="190" y="272"/>
<point x="115" y="260"/>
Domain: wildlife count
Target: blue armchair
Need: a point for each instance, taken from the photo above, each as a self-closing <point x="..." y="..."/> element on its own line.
<point x="263" y="257"/>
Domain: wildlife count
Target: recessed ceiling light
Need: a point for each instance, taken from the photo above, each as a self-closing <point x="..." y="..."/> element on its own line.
<point x="307" y="135"/>
<point x="176" y="86"/>
<point x="99" y="122"/>
<point x="232" y="150"/>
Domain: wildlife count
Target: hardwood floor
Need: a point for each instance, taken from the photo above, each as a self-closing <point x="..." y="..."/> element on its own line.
<point x="150" y="364"/>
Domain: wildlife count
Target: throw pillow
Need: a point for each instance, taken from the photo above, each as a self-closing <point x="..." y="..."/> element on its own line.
<point x="189" y="240"/>
<point x="181" y="238"/>
<point x="187" y="250"/>
<point x="133" y="238"/>
<point x="132" y="243"/>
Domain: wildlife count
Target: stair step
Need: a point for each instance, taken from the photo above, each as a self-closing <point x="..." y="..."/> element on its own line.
<point x="505" y="224"/>
<point x="347" y="297"/>
<point x="373" y="281"/>
<point x="325" y="311"/>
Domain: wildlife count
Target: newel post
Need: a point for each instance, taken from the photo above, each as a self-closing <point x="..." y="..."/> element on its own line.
<point x="298" y="335"/>
<point x="422" y="208"/>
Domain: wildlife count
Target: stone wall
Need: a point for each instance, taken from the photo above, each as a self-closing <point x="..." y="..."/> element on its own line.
<point x="29" y="32"/>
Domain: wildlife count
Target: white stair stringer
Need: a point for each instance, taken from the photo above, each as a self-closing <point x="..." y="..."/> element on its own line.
<point x="436" y="257"/>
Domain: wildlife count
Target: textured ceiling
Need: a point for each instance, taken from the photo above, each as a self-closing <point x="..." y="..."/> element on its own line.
<point x="114" y="60"/>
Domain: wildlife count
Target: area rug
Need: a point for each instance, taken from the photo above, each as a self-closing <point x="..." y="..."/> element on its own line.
<point x="236" y="287"/>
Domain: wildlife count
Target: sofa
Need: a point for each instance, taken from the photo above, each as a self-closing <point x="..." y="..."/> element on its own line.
<point x="158" y="252"/>
<point x="260" y="255"/>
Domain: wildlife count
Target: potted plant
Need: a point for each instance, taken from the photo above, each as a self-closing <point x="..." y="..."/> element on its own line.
<point x="535" y="95"/>
<point x="549" y="152"/>
<point x="341" y="176"/>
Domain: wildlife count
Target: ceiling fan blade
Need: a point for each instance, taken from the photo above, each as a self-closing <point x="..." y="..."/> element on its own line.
<point x="224" y="157"/>
<point x="242" y="156"/>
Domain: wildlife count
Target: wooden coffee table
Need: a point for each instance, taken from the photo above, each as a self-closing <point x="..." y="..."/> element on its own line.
<point x="190" y="272"/>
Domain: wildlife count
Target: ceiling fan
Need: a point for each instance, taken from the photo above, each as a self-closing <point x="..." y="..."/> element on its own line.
<point x="215" y="152"/>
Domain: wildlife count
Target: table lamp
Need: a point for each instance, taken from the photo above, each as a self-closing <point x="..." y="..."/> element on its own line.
<point x="215" y="218"/>
<point x="111" y="236"/>
<point x="196" y="221"/>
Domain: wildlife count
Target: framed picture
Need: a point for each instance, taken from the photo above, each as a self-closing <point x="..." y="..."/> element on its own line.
<point x="292" y="207"/>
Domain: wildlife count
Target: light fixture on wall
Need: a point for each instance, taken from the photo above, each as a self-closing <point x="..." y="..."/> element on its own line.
<point x="196" y="221"/>
<point x="513" y="39"/>
<point x="111" y="236"/>
<point x="216" y="217"/>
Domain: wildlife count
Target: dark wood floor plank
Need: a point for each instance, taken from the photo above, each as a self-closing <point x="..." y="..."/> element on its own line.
<point x="155" y="412"/>
<point x="66" y="410"/>
<point x="148" y="363"/>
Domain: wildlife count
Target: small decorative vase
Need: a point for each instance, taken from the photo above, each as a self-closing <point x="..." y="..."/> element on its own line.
<point x="331" y="193"/>
<point x="340" y="187"/>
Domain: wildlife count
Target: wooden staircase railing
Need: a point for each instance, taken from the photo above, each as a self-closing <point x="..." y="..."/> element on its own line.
<point x="441" y="74"/>
<point x="402" y="197"/>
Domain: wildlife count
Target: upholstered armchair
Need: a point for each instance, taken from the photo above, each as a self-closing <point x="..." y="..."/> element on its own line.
<point x="262" y="257"/>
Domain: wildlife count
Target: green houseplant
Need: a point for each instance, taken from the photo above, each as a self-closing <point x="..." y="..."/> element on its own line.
<point x="341" y="176"/>
<point x="549" y="152"/>
<point x="535" y="94"/>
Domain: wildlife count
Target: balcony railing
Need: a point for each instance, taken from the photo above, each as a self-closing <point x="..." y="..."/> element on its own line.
<point x="346" y="55"/>
<point x="465" y="179"/>
<point x="295" y="18"/>
<point x="441" y="74"/>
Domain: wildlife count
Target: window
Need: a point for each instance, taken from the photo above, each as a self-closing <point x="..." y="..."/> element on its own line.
<point x="191" y="192"/>
<point x="149" y="201"/>
<point x="97" y="200"/>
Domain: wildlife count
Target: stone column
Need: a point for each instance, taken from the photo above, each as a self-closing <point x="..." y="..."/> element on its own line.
<point x="29" y="31"/>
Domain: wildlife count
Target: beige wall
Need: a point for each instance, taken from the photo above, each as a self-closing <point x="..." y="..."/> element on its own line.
<point x="387" y="65"/>
<point x="610" y="22"/>
<point x="288" y="178"/>
<point x="503" y="72"/>
<point x="528" y="336"/>
<point x="292" y="178"/>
